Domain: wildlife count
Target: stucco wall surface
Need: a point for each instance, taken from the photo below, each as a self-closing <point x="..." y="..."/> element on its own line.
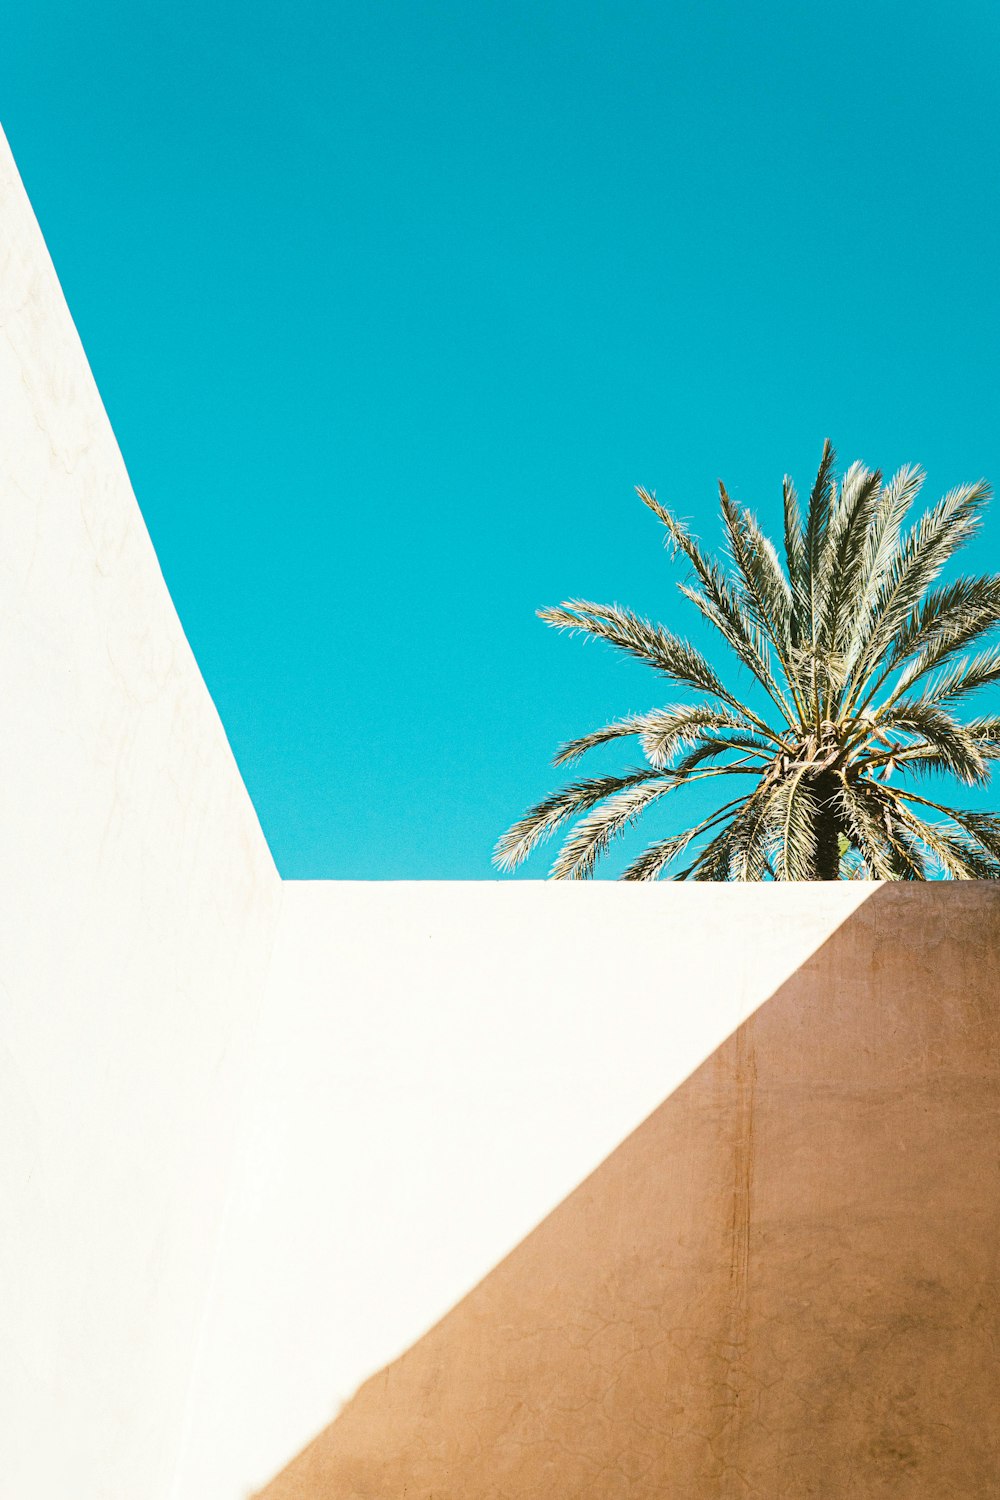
<point x="441" y="1064"/>
<point x="785" y="1283"/>
<point x="137" y="907"/>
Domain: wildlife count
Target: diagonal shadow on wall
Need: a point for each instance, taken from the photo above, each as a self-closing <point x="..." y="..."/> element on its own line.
<point x="786" y="1282"/>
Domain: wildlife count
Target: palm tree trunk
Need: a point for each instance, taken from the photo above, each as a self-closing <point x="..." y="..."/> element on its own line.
<point x="827" y="828"/>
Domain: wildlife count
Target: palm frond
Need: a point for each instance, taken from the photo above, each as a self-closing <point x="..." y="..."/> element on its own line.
<point x="573" y="749"/>
<point x="825" y="671"/>
<point x="662" y="731"/>
<point x="907" y="857"/>
<point x="765" y="591"/>
<point x="881" y="546"/>
<point x="957" y="855"/>
<point x="965" y="860"/>
<point x="749" y="843"/>
<point x="960" y="846"/>
<point x="844" y="554"/>
<point x="943" y="734"/>
<point x="717" y="602"/>
<point x="793" y="829"/>
<point x="817" y="526"/>
<point x="709" y="747"/>
<point x="965" y="677"/>
<point x="591" y="837"/>
<point x="870" y="832"/>
<point x="658" y="648"/>
<point x="747" y="642"/>
<point x="916" y="563"/>
<point x="654" y="860"/>
<point x="542" y="820"/>
<point x="666" y="733"/>
<point x="795" y="556"/>
<point x="714" y="861"/>
<point x="954" y="614"/>
<point x="985" y="730"/>
<point x="983" y="827"/>
<point x="923" y="759"/>
<point x="852" y="866"/>
<point x="946" y="621"/>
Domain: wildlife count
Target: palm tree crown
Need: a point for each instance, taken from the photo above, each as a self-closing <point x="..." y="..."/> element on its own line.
<point x="864" y="658"/>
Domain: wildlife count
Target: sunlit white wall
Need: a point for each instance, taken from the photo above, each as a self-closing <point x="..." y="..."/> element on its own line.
<point x="137" y="906"/>
<point x="440" y="1064"/>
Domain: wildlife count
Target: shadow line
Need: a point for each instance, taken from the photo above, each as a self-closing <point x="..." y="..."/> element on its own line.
<point x="785" y="1282"/>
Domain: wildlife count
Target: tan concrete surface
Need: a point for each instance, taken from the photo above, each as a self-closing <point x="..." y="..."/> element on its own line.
<point x="783" y="1284"/>
<point x="460" y="1054"/>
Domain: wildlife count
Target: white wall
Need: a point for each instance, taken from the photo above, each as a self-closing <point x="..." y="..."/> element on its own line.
<point x="223" y="1208"/>
<point x="137" y="907"/>
<point x="440" y="1065"/>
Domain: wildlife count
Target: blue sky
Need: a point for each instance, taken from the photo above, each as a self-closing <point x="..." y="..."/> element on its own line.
<point x="392" y="305"/>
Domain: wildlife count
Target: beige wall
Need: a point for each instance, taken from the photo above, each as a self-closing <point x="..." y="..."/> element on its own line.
<point x="783" y="1284"/>
<point x="441" y="1064"/>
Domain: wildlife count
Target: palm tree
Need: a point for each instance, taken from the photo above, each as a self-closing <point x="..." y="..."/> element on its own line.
<point x="864" y="658"/>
